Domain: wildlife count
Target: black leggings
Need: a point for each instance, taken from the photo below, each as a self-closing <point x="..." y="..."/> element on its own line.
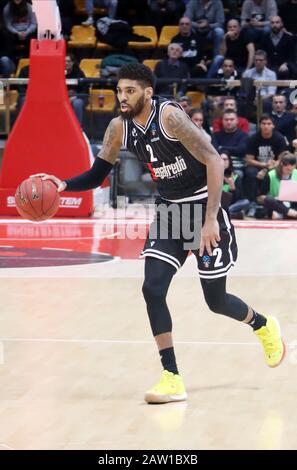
<point x="273" y="204"/>
<point x="158" y="276"/>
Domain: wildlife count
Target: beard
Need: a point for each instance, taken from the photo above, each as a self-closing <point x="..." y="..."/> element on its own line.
<point x="139" y="105"/>
<point x="275" y="30"/>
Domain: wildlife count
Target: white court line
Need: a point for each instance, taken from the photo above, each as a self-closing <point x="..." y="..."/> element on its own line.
<point x="58" y="249"/>
<point x="119" y="341"/>
<point x="112" y="235"/>
<point x="60" y="258"/>
<point x="100" y="220"/>
<point x="48" y="239"/>
<point x="50" y="222"/>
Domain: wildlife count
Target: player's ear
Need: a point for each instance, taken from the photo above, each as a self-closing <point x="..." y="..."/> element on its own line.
<point x="149" y="93"/>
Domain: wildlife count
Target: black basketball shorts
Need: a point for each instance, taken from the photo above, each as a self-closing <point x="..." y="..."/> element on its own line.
<point x="175" y="232"/>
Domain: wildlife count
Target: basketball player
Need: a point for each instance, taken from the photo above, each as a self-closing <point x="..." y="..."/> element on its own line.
<point x="189" y="174"/>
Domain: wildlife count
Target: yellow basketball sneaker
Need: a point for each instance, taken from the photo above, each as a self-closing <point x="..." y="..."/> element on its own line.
<point x="270" y="337"/>
<point x="170" y="388"/>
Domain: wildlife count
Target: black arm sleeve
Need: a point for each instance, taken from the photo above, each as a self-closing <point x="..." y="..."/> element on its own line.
<point x="92" y="178"/>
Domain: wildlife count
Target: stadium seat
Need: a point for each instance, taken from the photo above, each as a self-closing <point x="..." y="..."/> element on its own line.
<point x="21" y="64"/>
<point x="196" y="97"/>
<point x="82" y="36"/>
<point x="102" y="46"/>
<point x="151" y="63"/>
<point x="167" y="33"/>
<point x="91" y="67"/>
<point x="101" y="100"/>
<point x="147" y="31"/>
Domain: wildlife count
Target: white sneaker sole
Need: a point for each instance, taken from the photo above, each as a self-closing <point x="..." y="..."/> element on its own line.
<point x="152" y="398"/>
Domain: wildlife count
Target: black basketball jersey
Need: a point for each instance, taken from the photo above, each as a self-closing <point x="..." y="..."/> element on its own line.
<point x="177" y="173"/>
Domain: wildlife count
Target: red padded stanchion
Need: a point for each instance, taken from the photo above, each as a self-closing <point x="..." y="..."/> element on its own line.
<point x="46" y="137"/>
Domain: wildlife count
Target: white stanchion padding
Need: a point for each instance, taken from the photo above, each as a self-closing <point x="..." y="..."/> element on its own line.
<point x="48" y="18"/>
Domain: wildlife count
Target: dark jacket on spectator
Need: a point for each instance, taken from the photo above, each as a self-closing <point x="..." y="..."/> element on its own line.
<point x="214" y="13"/>
<point x="165" y="69"/>
<point x="284" y="51"/>
<point x="233" y="142"/>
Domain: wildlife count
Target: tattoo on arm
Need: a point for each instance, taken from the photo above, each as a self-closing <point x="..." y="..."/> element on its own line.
<point x="182" y="128"/>
<point x="111" y="142"/>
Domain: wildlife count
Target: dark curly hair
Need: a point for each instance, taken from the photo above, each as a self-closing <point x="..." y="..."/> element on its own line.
<point x="139" y="72"/>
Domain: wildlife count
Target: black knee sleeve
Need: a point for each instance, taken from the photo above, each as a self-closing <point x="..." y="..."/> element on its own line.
<point x="158" y="275"/>
<point x="219" y="301"/>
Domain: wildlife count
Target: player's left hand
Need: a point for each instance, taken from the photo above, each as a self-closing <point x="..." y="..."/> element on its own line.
<point x="61" y="185"/>
<point x="210" y="236"/>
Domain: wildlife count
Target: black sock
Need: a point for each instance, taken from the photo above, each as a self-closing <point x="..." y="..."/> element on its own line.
<point x="257" y="321"/>
<point x="168" y="360"/>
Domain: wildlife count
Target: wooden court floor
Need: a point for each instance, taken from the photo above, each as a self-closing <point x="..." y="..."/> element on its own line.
<point x="76" y="352"/>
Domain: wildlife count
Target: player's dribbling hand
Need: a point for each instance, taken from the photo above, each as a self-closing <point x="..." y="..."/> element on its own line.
<point x="210" y="236"/>
<point x="61" y="185"/>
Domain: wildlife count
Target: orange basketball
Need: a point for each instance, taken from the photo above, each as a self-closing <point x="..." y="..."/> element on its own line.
<point x="37" y="199"/>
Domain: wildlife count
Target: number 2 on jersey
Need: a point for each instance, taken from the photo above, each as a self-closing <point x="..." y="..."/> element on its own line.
<point x="150" y="151"/>
<point x="218" y="253"/>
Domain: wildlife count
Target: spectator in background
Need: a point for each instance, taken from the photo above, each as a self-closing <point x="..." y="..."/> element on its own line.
<point x="238" y="46"/>
<point x="280" y="48"/>
<point x="72" y="70"/>
<point x="67" y="12"/>
<point x="255" y="16"/>
<point x="75" y="93"/>
<point x="209" y="18"/>
<point x="242" y="123"/>
<point x="186" y="103"/>
<point x="7" y="66"/>
<point x="263" y="150"/>
<point x="172" y="68"/>
<point x="195" y="53"/>
<point x="197" y="117"/>
<point x="111" y="6"/>
<point x="261" y="72"/>
<point x="232" y="195"/>
<point x="270" y="186"/>
<point x="193" y="45"/>
<point x="284" y="121"/>
<point x="163" y="12"/>
<point x="20" y="26"/>
<point x="232" y="140"/>
<point x="227" y="72"/>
